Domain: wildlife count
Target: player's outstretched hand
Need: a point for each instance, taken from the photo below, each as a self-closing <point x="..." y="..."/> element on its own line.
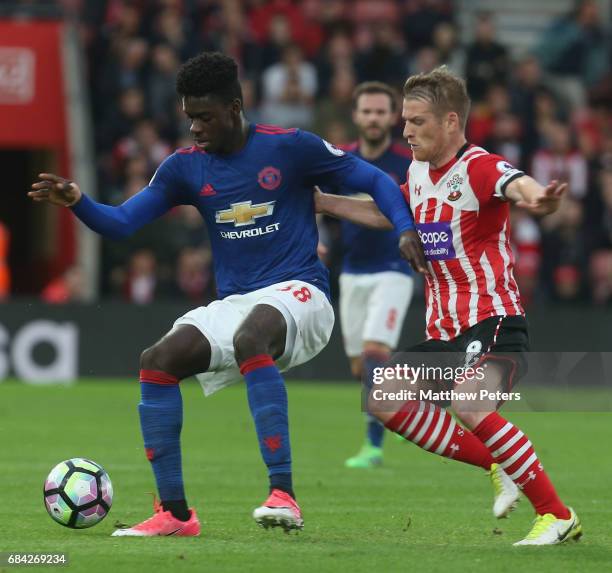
<point x="544" y="200"/>
<point x="412" y="250"/>
<point x="55" y="189"/>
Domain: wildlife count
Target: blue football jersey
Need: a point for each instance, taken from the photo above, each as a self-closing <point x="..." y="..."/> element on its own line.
<point x="257" y="203"/>
<point x="370" y="250"/>
<point x="258" y="206"/>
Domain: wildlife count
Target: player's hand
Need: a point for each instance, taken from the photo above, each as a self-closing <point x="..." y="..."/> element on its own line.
<point x="544" y="200"/>
<point x="412" y="250"/>
<point x="55" y="189"/>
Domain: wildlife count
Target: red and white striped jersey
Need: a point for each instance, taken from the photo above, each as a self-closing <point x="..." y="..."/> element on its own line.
<point x="463" y="221"/>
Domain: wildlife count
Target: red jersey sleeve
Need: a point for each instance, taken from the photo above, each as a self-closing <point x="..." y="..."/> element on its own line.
<point x="489" y="175"/>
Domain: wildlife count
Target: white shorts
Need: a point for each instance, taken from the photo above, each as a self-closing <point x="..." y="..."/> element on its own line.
<point x="309" y="317"/>
<point x="373" y="307"/>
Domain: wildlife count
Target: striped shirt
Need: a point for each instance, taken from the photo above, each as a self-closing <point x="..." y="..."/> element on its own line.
<point x="463" y="221"/>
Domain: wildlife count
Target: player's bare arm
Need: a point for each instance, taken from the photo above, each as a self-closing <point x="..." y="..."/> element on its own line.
<point x="539" y="200"/>
<point x="56" y="190"/>
<point x="365" y="212"/>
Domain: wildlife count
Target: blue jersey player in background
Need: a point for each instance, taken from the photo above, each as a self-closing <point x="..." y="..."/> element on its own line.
<point x="253" y="185"/>
<point x="376" y="283"/>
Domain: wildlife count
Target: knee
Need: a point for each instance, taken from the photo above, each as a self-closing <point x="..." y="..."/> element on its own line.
<point x="247" y="343"/>
<point x="155" y="358"/>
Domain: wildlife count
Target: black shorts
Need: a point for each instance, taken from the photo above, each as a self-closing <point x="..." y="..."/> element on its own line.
<point x="503" y="339"/>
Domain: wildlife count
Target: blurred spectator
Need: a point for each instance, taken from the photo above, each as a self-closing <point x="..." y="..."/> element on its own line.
<point x="576" y="45"/>
<point x="548" y="110"/>
<point x="527" y="83"/>
<point x="449" y="52"/>
<point x="384" y="59"/>
<point x="561" y="160"/>
<point x="169" y="27"/>
<point x="484" y="113"/>
<point x="194" y="276"/>
<point x="132" y="60"/>
<point x="311" y="34"/>
<point x="602" y="219"/>
<point x="280" y="37"/>
<point x="600" y="270"/>
<point x="140" y="282"/>
<point x="190" y="227"/>
<point x="338" y="133"/>
<point x="337" y="56"/>
<point x="121" y="120"/>
<point x="145" y="142"/>
<point x="70" y="287"/>
<point x="504" y="138"/>
<point x="333" y="15"/>
<point x="423" y="61"/>
<point x="249" y="100"/>
<point x="527" y="253"/>
<point x="160" y="88"/>
<point x="335" y="112"/>
<point x="289" y="88"/>
<point x="123" y="19"/>
<point x="373" y="12"/>
<point x="281" y="22"/>
<point x="421" y="17"/>
<point x="564" y="252"/>
<point x="486" y="60"/>
<point x="369" y="16"/>
<point x="224" y="28"/>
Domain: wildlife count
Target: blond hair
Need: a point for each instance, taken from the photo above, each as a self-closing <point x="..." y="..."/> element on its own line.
<point x="443" y="90"/>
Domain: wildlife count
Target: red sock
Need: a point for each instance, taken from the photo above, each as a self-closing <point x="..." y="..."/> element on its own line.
<point x="435" y="430"/>
<point x="513" y="451"/>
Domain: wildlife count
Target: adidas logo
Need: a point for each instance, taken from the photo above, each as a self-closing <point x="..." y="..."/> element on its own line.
<point x="207" y="190"/>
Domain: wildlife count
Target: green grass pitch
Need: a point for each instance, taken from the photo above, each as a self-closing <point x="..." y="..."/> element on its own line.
<point x="417" y="513"/>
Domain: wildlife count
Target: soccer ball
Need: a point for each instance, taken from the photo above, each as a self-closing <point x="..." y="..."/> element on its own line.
<point x="78" y="493"/>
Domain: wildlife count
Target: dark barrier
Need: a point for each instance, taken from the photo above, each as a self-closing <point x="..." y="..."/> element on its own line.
<point x="50" y="343"/>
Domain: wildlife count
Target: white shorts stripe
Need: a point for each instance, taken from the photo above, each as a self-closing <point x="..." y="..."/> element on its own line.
<point x="516" y="456"/>
<point x="437" y="430"/>
<point x="447" y="437"/>
<point x="498" y="435"/>
<point x="518" y="473"/>
<point x="508" y="444"/>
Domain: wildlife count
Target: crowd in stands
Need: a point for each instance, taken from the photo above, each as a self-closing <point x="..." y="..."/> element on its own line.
<point x="546" y="110"/>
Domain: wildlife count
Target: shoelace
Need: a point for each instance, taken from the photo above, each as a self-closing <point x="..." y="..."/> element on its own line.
<point x="540" y="524"/>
